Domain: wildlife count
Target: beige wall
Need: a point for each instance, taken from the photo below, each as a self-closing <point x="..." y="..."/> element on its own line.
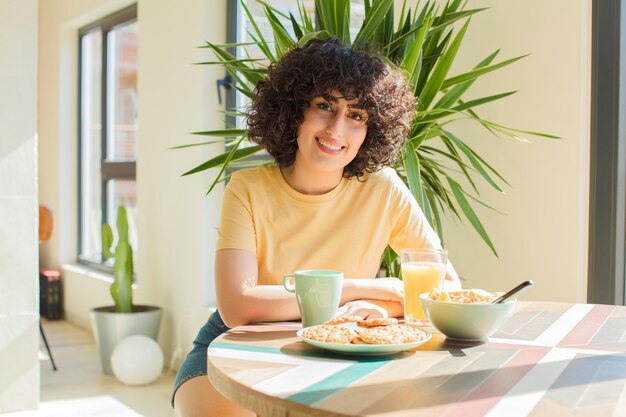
<point x="19" y="308"/>
<point x="543" y="234"/>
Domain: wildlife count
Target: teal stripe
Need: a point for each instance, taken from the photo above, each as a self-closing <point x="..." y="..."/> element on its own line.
<point x="284" y="351"/>
<point x="360" y="368"/>
<point x="249" y="348"/>
<point x="338" y="381"/>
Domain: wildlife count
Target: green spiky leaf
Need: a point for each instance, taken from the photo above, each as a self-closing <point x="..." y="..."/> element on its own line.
<point x="425" y="46"/>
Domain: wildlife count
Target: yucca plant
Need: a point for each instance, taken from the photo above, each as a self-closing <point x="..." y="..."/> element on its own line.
<point x="436" y="162"/>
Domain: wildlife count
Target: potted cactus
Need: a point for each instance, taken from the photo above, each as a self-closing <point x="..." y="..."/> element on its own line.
<point x="113" y="323"/>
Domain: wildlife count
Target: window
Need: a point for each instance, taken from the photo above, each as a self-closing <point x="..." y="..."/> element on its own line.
<point x="107" y="129"/>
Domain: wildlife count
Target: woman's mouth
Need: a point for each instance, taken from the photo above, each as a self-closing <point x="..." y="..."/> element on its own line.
<point x="328" y="146"/>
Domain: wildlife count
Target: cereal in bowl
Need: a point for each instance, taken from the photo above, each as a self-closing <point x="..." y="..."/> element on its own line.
<point x="473" y="296"/>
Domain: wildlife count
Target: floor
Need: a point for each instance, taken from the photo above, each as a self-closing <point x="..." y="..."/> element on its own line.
<point x="78" y="374"/>
<point x="102" y="406"/>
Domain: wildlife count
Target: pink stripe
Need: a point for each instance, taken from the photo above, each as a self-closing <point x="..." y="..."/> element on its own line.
<point x="608" y="348"/>
<point x="265" y="327"/>
<point x="588" y="326"/>
<point x="505" y="344"/>
<point x="498" y="344"/>
<point x="482" y="399"/>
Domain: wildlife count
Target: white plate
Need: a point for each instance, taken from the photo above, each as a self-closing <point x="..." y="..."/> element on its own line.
<point x="363" y="349"/>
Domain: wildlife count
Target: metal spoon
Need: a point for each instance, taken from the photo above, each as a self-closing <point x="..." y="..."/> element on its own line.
<point x="515" y="290"/>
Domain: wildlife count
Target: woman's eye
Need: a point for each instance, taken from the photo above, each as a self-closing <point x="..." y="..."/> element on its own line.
<point x="357" y="116"/>
<point x="324" y="106"/>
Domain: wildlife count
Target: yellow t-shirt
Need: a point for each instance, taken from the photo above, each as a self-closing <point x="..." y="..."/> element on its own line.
<point x="346" y="229"/>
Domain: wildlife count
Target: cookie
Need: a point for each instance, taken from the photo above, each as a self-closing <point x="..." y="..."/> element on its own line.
<point x="378" y="322"/>
<point x="358" y="341"/>
<point x="330" y="333"/>
<point x="409" y="334"/>
<point x="344" y="319"/>
<point x="392" y="334"/>
<point x="380" y="336"/>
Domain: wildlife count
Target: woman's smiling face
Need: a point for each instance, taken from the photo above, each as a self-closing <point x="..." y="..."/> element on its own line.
<point x="331" y="133"/>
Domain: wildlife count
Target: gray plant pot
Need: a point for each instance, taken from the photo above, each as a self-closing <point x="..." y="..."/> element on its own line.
<point x="110" y="328"/>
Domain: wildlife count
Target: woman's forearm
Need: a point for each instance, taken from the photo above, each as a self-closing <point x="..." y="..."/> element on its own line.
<point x="258" y="304"/>
<point x="384" y="289"/>
<point x="273" y="303"/>
<point x="372" y="308"/>
<point x="240" y="300"/>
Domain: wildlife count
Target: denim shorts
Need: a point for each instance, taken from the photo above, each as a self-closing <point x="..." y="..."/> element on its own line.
<point x="195" y="363"/>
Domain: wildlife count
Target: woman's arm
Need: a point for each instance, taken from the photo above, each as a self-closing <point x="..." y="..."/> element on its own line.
<point x="383" y="289"/>
<point x="452" y="281"/>
<point x="240" y="300"/>
<point x="372" y="309"/>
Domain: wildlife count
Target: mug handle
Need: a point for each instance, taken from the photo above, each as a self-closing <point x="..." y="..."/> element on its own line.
<point x="289" y="287"/>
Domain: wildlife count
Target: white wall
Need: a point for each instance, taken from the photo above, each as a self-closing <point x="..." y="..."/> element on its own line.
<point x="542" y="234"/>
<point x="19" y="307"/>
<point x="176" y="219"/>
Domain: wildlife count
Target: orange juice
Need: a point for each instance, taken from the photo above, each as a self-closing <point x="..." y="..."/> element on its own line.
<point x="419" y="277"/>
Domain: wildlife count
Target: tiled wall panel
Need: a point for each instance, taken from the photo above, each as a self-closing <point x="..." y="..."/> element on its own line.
<point x="19" y="379"/>
<point x="19" y="333"/>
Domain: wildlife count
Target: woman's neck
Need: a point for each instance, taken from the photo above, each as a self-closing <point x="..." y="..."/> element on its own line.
<point x="309" y="183"/>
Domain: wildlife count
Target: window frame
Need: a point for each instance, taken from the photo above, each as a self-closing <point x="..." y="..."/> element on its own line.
<point x="233" y="13"/>
<point x="607" y="181"/>
<point x="109" y="170"/>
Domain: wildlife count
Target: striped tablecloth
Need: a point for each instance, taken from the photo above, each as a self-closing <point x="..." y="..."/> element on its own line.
<point x="549" y="359"/>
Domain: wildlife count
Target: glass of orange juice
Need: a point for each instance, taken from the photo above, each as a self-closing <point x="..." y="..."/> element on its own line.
<point x="422" y="270"/>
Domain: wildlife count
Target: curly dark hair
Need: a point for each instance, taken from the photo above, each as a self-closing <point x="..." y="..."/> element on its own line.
<point x="316" y="69"/>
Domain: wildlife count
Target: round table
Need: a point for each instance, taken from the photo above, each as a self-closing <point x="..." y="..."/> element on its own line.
<point x="551" y="359"/>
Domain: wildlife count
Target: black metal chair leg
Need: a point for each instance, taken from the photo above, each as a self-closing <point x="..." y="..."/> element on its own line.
<point x="54" y="367"/>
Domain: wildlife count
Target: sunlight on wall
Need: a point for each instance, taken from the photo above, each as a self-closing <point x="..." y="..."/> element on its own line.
<point x="19" y="293"/>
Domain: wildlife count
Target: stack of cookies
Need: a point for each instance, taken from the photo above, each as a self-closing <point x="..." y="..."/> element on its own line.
<point x="378" y="331"/>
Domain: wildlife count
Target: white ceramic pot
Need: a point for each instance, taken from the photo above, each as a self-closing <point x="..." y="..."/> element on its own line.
<point x="109" y="328"/>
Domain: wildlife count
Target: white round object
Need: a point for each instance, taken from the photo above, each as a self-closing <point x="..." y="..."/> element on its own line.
<point x="137" y="360"/>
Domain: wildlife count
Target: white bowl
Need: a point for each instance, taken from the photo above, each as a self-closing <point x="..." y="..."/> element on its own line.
<point x="468" y="322"/>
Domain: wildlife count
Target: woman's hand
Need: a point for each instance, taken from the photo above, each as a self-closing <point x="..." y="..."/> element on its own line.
<point x="371" y="309"/>
<point x="383" y="289"/>
<point x="452" y="281"/>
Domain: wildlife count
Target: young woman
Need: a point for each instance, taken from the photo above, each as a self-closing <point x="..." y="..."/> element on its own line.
<point x="333" y="118"/>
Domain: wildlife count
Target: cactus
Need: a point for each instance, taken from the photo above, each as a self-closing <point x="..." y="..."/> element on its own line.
<point x="121" y="288"/>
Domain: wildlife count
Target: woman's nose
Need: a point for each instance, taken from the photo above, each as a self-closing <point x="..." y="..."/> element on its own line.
<point x="335" y="126"/>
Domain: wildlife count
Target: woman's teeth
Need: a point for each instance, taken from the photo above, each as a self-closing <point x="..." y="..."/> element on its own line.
<point x="329" y="145"/>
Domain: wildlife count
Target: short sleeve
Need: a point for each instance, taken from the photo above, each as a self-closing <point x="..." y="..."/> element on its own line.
<point x="409" y="226"/>
<point x="236" y="229"/>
